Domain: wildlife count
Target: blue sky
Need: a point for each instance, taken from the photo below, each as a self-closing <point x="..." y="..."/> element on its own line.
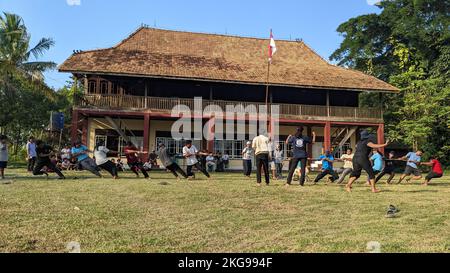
<point x="90" y="24"/>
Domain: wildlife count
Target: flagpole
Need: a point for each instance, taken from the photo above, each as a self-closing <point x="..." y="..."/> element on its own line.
<point x="267" y="83"/>
<point x="269" y="129"/>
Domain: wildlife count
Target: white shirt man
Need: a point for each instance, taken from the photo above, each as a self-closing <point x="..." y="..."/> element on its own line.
<point x="210" y="162"/>
<point x="190" y="153"/>
<point x="31" y="154"/>
<point x="348" y="165"/>
<point x="31" y="149"/>
<point x="101" y="155"/>
<point x="261" y="146"/>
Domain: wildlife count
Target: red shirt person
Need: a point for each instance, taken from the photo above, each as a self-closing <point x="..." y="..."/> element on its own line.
<point x="133" y="161"/>
<point x="436" y="170"/>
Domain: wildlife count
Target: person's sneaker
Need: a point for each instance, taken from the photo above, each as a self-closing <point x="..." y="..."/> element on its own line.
<point x="61" y="178"/>
<point x="46" y="175"/>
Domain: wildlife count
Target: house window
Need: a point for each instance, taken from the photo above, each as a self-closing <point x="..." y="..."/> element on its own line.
<point x="342" y="150"/>
<point x="115" y="142"/>
<point x="92" y="87"/>
<point x="104" y="87"/>
<point x="175" y="146"/>
<point x="114" y="88"/>
<point x="232" y="147"/>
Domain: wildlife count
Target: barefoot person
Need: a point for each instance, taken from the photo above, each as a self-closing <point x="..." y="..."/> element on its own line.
<point x="81" y="152"/>
<point x="168" y="163"/>
<point x="361" y="160"/>
<point x="3" y="155"/>
<point x="101" y="159"/>
<point x="436" y="170"/>
<point x="190" y="152"/>
<point x="413" y="160"/>
<point x="131" y="153"/>
<point x="348" y="165"/>
<point x="44" y="152"/>
<point x="389" y="167"/>
<point x="299" y="142"/>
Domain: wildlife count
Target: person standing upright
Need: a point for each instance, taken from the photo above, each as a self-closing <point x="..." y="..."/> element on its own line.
<point x="262" y="153"/>
<point x="278" y="156"/>
<point x="3" y="155"/>
<point x="247" y="155"/>
<point x="31" y="153"/>
<point x="299" y="142"/>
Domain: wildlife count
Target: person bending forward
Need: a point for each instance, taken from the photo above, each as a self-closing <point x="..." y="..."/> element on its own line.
<point x="361" y="160"/>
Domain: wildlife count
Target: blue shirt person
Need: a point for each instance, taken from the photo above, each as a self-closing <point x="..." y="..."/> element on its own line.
<point x="326" y="164"/>
<point x="327" y="167"/>
<point x="80" y="151"/>
<point x="412" y="159"/>
<point x="377" y="161"/>
<point x="412" y="162"/>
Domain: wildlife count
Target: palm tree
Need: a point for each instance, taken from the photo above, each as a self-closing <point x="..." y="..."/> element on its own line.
<point x="17" y="59"/>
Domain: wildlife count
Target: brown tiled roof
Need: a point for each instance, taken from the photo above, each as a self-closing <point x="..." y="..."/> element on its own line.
<point x="163" y="53"/>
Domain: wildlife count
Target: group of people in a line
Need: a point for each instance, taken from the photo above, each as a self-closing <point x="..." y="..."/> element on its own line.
<point x="42" y="159"/>
<point x="367" y="157"/>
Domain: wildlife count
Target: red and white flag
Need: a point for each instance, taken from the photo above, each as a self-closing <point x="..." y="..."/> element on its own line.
<point x="272" y="47"/>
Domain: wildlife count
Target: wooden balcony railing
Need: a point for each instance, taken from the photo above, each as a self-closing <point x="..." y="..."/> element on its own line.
<point x="167" y="104"/>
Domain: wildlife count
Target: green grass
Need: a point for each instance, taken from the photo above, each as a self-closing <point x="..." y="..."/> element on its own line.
<point x="229" y="214"/>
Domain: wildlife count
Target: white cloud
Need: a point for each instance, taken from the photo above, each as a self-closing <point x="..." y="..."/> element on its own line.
<point x="73" y="2"/>
<point x="373" y="2"/>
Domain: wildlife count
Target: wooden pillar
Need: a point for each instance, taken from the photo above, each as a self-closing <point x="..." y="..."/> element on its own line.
<point x="310" y="146"/>
<point x="84" y="137"/>
<point x="328" y="103"/>
<point x="380" y="136"/>
<point x="327" y="136"/>
<point x="146" y="94"/>
<point x="86" y="84"/>
<point x="74" y="127"/>
<point x="211" y="130"/>
<point x="146" y="134"/>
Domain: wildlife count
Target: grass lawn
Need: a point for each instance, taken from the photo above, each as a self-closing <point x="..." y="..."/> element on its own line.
<point x="229" y="214"/>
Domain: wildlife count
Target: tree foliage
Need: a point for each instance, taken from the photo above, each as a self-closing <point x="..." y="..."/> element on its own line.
<point x="408" y="45"/>
<point x="25" y="100"/>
